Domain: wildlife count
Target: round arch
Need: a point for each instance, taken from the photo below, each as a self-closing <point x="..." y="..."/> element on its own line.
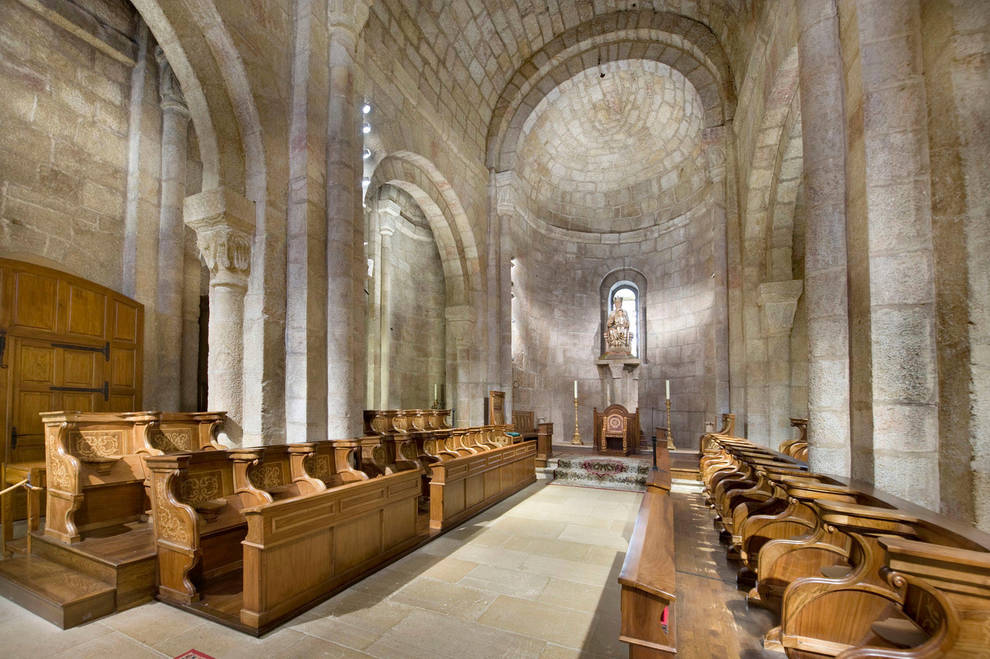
<point x="421" y="179"/>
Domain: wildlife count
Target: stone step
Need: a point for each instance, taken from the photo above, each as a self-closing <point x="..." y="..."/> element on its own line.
<point x="55" y="592"/>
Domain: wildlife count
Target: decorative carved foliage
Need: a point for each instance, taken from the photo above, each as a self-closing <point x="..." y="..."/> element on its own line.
<point x="319" y="466"/>
<point x="267" y="476"/>
<point x="197" y="488"/>
<point x="168" y="524"/>
<point x="225" y="249"/>
<point x="97" y="443"/>
<point x="177" y="440"/>
<point x="58" y="475"/>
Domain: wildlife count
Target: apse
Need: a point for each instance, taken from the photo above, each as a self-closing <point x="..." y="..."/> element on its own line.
<point x="612" y="184"/>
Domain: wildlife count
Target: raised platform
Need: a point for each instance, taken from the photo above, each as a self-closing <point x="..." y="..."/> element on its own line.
<point x="68" y="585"/>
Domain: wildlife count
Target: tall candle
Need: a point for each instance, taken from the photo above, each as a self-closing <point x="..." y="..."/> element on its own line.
<point x="436" y="391"/>
<point x="668" y="389"/>
<point x="575" y="390"/>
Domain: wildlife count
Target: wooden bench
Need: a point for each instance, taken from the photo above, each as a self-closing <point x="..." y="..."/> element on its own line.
<point x="463" y="486"/>
<point x="647" y="579"/>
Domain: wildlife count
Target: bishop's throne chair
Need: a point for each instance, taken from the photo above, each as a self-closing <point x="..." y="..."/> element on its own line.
<point x="616" y="430"/>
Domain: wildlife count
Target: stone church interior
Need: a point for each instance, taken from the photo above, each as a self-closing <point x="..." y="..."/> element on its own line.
<point x="530" y="328"/>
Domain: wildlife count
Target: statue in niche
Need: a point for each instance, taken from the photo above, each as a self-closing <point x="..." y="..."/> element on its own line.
<point x="618" y="338"/>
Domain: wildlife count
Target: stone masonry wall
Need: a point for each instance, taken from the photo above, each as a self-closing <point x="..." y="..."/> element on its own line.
<point x="63" y="144"/>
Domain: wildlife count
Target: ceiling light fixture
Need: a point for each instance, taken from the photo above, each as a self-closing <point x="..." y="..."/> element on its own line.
<point x="365" y="128"/>
<point x="366" y="108"/>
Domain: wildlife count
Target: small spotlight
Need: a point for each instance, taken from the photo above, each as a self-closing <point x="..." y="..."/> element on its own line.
<point x="365" y="128"/>
<point x="365" y="182"/>
<point x="366" y="153"/>
<point x="366" y="108"/>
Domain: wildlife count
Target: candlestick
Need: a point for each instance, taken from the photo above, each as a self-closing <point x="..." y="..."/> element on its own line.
<point x="576" y="438"/>
<point x="670" y="433"/>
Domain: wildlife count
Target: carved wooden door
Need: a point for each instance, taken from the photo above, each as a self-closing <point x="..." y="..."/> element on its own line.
<point x="68" y="344"/>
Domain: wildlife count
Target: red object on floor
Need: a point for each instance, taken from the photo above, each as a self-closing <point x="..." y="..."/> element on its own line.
<point x="193" y="654"/>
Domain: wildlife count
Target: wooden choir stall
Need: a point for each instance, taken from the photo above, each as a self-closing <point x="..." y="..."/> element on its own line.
<point x="849" y="570"/>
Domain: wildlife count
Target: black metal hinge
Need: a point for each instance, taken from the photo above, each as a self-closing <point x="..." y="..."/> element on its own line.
<point x="105" y="350"/>
<point x="105" y="390"/>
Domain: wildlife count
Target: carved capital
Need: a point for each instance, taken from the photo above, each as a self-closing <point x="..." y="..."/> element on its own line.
<point x="350" y="15"/>
<point x="169" y="90"/>
<point x="224" y="226"/>
<point x="505" y="192"/>
<point x="778" y="302"/>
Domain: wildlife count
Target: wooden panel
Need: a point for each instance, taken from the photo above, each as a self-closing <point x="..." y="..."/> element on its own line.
<point x="35" y="365"/>
<point x="35" y="301"/>
<point x="86" y="315"/>
<point x="29" y="404"/>
<point x="122" y="403"/>
<point x="80" y="402"/>
<point x="283" y="560"/>
<point x="123" y="366"/>
<point x="80" y="368"/>
<point x="474" y="490"/>
<point x="356" y="542"/>
<point x="400" y="522"/>
<point x="125" y="322"/>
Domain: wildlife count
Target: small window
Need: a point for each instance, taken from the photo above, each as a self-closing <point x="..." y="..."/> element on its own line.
<point x="630" y="304"/>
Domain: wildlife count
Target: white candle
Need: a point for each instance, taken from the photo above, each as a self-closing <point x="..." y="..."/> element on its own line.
<point x="575" y="390"/>
<point x="668" y="389"/>
<point x="436" y="391"/>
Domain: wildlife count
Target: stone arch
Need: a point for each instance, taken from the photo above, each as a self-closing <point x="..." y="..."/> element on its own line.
<point x="421" y="179"/>
<point x="679" y="42"/>
<point x="214" y="87"/>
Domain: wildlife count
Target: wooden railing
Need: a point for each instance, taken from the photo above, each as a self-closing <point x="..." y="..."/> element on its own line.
<point x="33" y="508"/>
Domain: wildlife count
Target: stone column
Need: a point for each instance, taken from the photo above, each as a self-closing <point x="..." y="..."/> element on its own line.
<point x="502" y="186"/>
<point x="388" y="212"/>
<point x="825" y="247"/>
<point x="891" y="257"/>
<point x="345" y="225"/>
<point x="224" y="224"/>
<point x="778" y="302"/>
<point x="171" y="236"/>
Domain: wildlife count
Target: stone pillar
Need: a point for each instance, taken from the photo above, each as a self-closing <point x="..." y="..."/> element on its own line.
<point x="345" y="225"/>
<point x="224" y="224"/>
<point x="891" y="257"/>
<point x="778" y="302"/>
<point x="503" y="190"/>
<point x="171" y="236"/>
<point x="459" y="321"/>
<point x="825" y="247"/>
<point x="388" y="212"/>
<point x="716" y="145"/>
<point x="306" y="250"/>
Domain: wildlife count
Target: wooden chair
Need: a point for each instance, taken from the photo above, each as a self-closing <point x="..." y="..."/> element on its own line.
<point x="615" y="422"/>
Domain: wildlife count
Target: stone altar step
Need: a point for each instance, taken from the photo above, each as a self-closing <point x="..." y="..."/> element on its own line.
<point x="605" y="472"/>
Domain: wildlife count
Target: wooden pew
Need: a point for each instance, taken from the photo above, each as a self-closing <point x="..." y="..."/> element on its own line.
<point x="300" y="551"/>
<point x="857" y="565"/>
<point x="463" y="486"/>
<point x="647" y="579"/>
<point x="227" y="549"/>
<point x="797" y="447"/>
